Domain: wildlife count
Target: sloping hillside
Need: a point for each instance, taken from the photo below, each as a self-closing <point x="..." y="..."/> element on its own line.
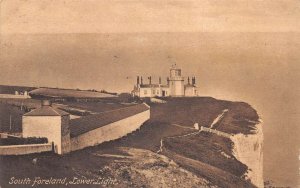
<point x="169" y="132"/>
<point x="176" y="117"/>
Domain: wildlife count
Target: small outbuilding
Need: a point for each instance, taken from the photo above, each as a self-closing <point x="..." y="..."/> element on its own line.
<point x="48" y="122"/>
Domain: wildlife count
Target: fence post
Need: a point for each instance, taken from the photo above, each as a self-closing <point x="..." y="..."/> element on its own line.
<point x="52" y="146"/>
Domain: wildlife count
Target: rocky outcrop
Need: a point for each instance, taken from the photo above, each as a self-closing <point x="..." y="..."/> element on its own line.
<point x="249" y="150"/>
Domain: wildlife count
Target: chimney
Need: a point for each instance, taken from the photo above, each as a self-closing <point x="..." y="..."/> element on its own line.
<point x="159" y="80"/>
<point x="46" y="103"/>
<point x="149" y="79"/>
<point x="138" y="80"/>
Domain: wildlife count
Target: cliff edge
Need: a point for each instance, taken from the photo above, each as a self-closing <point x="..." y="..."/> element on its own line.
<point x="249" y="150"/>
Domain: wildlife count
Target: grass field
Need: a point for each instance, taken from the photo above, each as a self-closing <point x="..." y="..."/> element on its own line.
<point x="203" y="110"/>
<point x="69" y="93"/>
<point x="11" y="118"/>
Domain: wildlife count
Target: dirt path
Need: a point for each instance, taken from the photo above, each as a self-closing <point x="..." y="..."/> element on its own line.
<point x="218" y="118"/>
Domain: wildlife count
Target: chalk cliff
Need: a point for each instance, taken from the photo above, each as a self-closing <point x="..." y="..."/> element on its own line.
<point x="249" y="150"/>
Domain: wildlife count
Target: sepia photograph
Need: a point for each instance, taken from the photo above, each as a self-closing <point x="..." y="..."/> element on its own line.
<point x="149" y="93"/>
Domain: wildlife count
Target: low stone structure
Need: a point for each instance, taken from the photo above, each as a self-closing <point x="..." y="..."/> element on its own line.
<point x="25" y="149"/>
<point x="70" y="135"/>
<point x="96" y="129"/>
<point x="50" y="123"/>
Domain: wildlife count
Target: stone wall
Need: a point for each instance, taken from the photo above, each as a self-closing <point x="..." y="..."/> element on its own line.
<point x="11" y="96"/>
<point x="25" y="149"/>
<point x="65" y="134"/>
<point x="110" y="132"/>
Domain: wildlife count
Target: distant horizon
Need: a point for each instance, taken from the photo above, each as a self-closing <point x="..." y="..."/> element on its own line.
<point x="50" y="87"/>
<point x="237" y="50"/>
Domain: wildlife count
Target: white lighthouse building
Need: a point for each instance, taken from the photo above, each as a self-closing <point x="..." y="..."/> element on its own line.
<point x="176" y="82"/>
<point x="175" y="86"/>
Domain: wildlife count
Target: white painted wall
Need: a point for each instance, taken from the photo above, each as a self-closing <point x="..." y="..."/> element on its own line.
<point x="43" y="126"/>
<point x="157" y="92"/>
<point x="110" y="132"/>
<point x="11" y="96"/>
<point x="177" y="87"/>
<point x="190" y="91"/>
<point x="145" y="92"/>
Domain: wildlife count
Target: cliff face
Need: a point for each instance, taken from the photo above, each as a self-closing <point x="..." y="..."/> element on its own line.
<point x="249" y="150"/>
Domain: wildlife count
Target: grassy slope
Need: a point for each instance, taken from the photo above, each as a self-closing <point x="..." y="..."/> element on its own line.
<point x="211" y="156"/>
<point x="204" y="148"/>
<point x="203" y="110"/>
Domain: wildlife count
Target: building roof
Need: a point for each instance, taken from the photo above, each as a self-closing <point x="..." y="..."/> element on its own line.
<point x="148" y="85"/>
<point x="91" y="122"/>
<point x="46" y="111"/>
<point x="152" y="86"/>
<point x="54" y="92"/>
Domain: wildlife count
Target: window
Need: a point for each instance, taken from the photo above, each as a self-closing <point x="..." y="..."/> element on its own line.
<point x="153" y="92"/>
<point x="145" y="92"/>
<point x="157" y="92"/>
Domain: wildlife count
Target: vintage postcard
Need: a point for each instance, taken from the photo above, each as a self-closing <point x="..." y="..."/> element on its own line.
<point x="149" y="93"/>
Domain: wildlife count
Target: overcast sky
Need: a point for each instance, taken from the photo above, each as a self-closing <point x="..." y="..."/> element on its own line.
<point x="95" y="16"/>
<point x="35" y="37"/>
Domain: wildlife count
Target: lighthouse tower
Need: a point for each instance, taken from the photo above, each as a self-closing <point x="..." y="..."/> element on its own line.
<point x="176" y="82"/>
